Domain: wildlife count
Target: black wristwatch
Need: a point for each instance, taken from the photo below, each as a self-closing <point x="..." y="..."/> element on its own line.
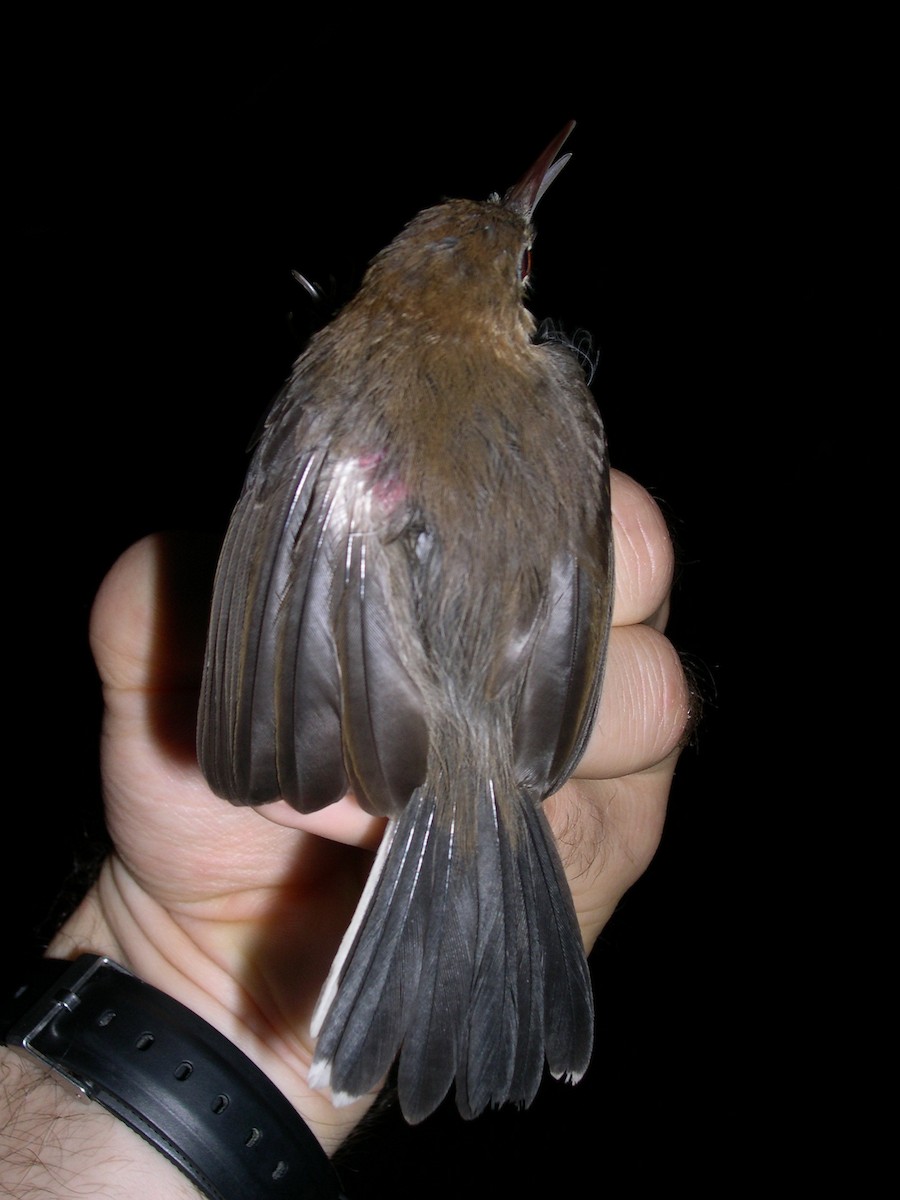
<point x="172" y="1077"/>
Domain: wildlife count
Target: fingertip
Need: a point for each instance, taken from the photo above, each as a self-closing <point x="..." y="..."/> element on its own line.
<point x="344" y="821"/>
<point x="644" y="554"/>
<point x="645" y="706"/>
<point x="148" y="619"/>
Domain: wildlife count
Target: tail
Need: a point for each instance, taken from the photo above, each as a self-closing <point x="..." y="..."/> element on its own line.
<point x="464" y="958"/>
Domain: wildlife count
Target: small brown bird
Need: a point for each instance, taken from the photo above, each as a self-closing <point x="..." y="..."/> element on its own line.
<point x="412" y="603"/>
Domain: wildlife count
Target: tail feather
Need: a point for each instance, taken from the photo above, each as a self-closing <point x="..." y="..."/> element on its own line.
<point x="469" y="966"/>
<point x="532" y="958"/>
<point x="568" y="1001"/>
<point x="501" y="1034"/>
<point x="431" y="1043"/>
<point x="366" y="1000"/>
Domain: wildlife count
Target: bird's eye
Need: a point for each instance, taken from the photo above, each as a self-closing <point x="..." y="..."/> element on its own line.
<point x="525" y="264"/>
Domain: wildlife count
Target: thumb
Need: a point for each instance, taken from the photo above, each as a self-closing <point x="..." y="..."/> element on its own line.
<point x="148" y="633"/>
<point x="148" y="621"/>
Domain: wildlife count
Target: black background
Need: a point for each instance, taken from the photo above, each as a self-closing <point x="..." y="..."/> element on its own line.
<point x="164" y="182"/>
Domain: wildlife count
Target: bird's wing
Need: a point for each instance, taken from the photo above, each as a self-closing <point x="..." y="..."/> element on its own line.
<point x="305" y="693"/>
<point x="564" y="677"/>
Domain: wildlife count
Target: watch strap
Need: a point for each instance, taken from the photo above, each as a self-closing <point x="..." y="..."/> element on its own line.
<point x="172" y="1077"/>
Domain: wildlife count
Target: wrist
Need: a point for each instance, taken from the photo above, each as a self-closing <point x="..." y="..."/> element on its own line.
<point x="52" y="1144"/>
<point x="164" y="1073"/>
<point x="118" y="920"/>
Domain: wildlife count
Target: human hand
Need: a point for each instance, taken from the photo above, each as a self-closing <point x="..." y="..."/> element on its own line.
<point x="238" y="917"/>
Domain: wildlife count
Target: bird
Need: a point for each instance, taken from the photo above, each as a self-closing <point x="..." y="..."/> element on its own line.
<point x="412" y="606"/>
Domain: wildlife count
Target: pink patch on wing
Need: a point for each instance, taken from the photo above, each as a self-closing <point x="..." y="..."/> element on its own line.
<point x="389" y="494"/>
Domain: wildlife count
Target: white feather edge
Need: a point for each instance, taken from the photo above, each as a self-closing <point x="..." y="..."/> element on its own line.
<point x="320" y="1070"/>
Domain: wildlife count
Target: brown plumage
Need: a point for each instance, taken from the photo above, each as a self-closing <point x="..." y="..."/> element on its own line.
<point x="413" y="602"/>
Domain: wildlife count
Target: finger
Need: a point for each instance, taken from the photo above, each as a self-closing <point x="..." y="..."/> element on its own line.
<point x="644" y="707"/>
<point x="344" y="821"/>
<point x="644" y="558"/>
<point x="148" y="622"/>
